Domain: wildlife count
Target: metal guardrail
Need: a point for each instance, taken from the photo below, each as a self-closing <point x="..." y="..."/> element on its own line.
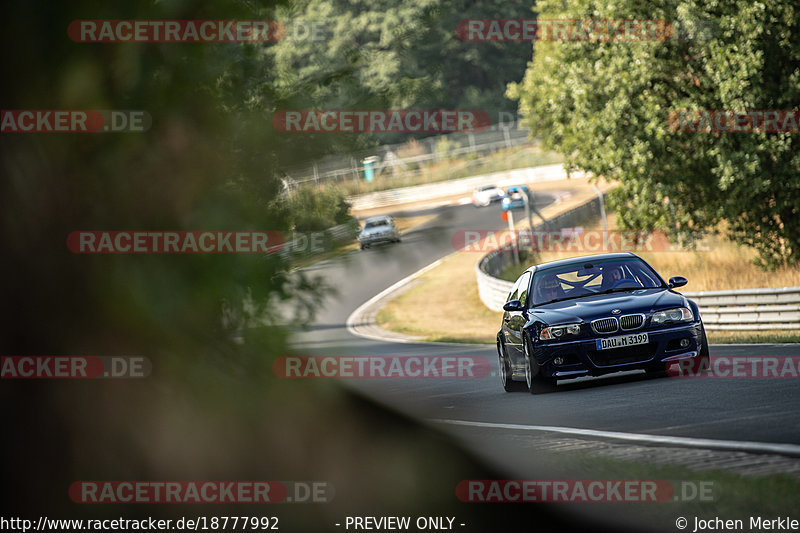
<point x="491" y="290"/>
<point x="316" y="242"/>
<point x="730" y="310"/>
<point x="749" y="309"/>
<point x="350" y="167"/>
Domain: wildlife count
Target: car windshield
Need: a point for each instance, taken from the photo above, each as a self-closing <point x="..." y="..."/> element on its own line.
<point x="586" y="278"/>
<point x="375" y="223"/>
<point x="486" y="188"/>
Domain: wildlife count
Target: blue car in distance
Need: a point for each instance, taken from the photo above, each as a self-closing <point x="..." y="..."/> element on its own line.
<point x="514" y="197"/>
<point x="595" y="315"/>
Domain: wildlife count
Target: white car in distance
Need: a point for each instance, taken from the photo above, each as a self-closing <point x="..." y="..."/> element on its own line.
<point x="486" y="194"/>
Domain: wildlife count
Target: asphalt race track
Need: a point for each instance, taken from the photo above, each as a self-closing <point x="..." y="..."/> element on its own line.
<point x="701" y="420"/>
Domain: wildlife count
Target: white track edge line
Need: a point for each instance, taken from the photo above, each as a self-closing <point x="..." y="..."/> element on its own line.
<point x="356" y="315"/>
<point x="730" y="445"/>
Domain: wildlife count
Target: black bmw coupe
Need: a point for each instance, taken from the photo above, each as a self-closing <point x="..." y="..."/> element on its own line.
<point x="595" y="315"/>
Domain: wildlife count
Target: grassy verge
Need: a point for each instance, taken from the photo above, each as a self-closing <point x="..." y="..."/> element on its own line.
<point x="452" y="286"/>
<point x="449" y="169"/>
<point x="443" y="306"/>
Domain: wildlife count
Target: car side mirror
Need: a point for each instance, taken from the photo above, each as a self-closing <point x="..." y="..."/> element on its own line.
<point x="513" y="305"/>
<point x="677" y="281"/>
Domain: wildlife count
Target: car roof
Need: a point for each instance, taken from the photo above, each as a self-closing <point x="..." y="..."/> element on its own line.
<point x="581" y="258"/>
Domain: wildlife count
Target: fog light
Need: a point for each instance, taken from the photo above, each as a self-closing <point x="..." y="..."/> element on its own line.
<point x="684" y="343"/>
<point x="558" y="360"/>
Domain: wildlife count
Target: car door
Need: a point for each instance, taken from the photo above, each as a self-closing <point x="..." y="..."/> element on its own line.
<point x="513" y="321"/>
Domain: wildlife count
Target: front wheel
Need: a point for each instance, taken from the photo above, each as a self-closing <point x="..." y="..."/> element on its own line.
<point x="703" y="361"/>
<point x="504" y="366"/>
<point x="537" y="384"/>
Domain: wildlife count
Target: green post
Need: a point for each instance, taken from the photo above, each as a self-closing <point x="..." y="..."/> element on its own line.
<point x="369" y="168"/>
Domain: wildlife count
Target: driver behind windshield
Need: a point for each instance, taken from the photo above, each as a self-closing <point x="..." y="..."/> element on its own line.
<point x="548" y="288"/>
<point x="611" y="275"/>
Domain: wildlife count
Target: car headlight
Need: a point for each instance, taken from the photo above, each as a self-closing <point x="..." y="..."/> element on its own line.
<point x="679" y="314"/>
<point x="560" y="332"/>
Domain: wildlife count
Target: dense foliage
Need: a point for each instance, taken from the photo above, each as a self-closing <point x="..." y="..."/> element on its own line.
<point x="211" y="160"/>
<point x="606" y="106"/>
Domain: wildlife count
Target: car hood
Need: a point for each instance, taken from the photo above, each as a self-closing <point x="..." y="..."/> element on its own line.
<point x="600" y="305"/>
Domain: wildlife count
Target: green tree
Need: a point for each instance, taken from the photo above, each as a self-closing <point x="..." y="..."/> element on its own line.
<point x="605" y="105"/>
<point x="207" y="162"/>
<point x="390" y="54"/>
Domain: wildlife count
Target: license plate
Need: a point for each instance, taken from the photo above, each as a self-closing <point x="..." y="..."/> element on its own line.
<point x="633" y="339"/>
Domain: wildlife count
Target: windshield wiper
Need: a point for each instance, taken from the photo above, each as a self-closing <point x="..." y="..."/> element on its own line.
<point x="621" y="289"/>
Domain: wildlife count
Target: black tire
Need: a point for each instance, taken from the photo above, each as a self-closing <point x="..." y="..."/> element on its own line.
<point x="703" y="361"/>
<point x="504" y="367"/>
<point x="535" y="382"/>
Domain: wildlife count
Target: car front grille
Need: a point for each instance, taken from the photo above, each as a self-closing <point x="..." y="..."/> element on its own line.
<point x="631" y="321"/>
<point x="604" y="325"/>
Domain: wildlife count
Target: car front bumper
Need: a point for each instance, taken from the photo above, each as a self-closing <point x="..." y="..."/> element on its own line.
<point x="515" y="204"/>
<point x="582" y="358"/>
<point x="382" y="237"/>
